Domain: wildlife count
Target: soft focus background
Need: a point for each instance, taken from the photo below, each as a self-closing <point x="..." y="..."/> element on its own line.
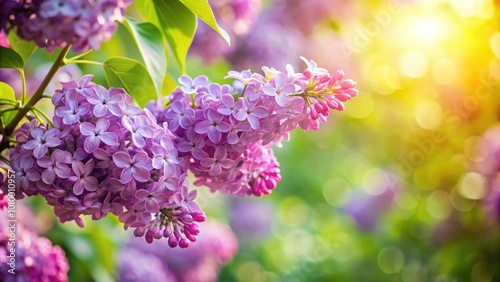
<point x="402" y="186"/>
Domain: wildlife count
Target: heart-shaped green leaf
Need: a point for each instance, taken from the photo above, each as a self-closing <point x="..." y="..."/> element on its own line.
<point x="7" y="93"/>
<point x="24" y="48"/>
<point x="202" y="9"/>
<point x="10" y="59"/>
<point x="131" y="76"/>
<point x="150" y="43"/>
<point x="175" y="21"/>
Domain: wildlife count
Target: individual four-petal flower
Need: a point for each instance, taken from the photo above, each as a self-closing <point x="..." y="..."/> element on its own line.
<point x="96" y="134"/>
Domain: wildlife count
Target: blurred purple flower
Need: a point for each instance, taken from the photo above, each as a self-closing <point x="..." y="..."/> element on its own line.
<point x="36" y="259"/>
<point x="214" y="247"/>
<point x="134" y="265"/>
<point x="251" y="219"/>
<point x="366" y="209"/>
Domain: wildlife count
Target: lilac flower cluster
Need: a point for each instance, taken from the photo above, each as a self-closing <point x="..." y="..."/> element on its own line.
<point x="224" y="135"/>
<point x="201" y="262"/>
<point x="56" y="23"/>
<point x="102" y="154"/>
<point x="36" y="258"/>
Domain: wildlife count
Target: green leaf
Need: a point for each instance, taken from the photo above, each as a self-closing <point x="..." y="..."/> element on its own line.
<point x="150" y="42"/>
<point x="132" y="76"/>
<point x="6" y="92"/>
<point x="202" y="9"/>
<point x="24" y="48"/>
<point x="175" y="21"/>
<point x="10" y="59"/>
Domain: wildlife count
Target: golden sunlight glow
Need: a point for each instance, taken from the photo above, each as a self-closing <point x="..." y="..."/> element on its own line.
<point x="428" y="29"/>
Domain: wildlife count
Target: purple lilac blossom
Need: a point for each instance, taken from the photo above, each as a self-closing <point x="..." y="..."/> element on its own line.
<point x="36" y="258"/>
<point x="365" y="209"/>
<point x="84" y="24"/>
<point x="134" y="265"/>
<point x="237" y="17"/>
<point x="488" y="164"/>
<point x="201" y="262"/>
<point x="226" y="138"/>
<point x="133" y="163"/>
<point x="93" y="162"/>
<point x="265" y="45"/>
<point x="251" y="219"/>
<point x="13" y="78"/>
